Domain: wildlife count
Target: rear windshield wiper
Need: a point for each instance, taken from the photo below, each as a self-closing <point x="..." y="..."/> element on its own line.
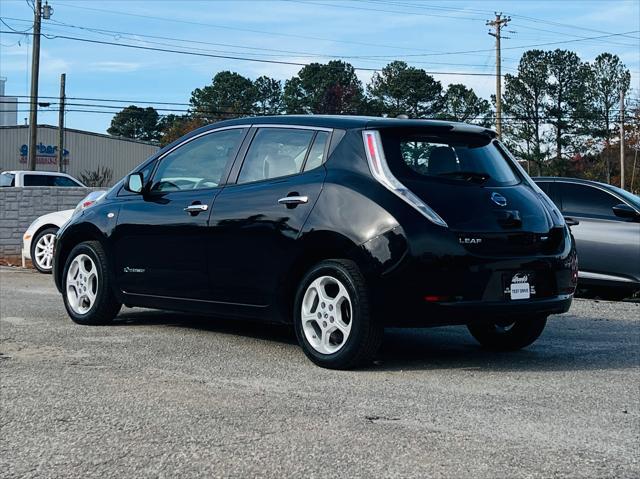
<point x="467" y="175"/>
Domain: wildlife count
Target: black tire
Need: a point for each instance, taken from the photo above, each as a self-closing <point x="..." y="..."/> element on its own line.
<point x="106" y="306"/>
<point x="34" y="242"/>
<point x="366" y="332"/>
<point x="501" y="336"/>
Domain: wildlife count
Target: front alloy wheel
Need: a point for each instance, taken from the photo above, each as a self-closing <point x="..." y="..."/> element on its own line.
<point x="88" y="295"/>
<point x="82" y="284"/>
<point x="333" y="321"/>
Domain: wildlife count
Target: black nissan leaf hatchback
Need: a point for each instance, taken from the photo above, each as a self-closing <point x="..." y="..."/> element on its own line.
<point x="339" y="225"/>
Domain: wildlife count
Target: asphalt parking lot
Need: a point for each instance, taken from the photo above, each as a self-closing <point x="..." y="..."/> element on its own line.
<point x="160" y="394"/>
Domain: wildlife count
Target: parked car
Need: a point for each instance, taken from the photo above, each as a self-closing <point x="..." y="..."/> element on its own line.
<point x="38" y="240"/>
<point x="37" y="178"/>
<point x="606" y="227"/>
<point x="339" y="225"/>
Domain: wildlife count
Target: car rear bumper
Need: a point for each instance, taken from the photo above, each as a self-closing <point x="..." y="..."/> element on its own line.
<point x="465" y="312"/>
<point x="433" y="289"/>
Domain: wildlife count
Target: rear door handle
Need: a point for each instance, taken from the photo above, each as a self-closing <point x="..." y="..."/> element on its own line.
<point x="293" y="200"/>
<point x="197" y="208"/>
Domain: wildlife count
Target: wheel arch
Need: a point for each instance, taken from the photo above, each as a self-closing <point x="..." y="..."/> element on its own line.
<point x="315" y="246"/>
<point x="72" y="237"/>
<point x="42" y="228"/>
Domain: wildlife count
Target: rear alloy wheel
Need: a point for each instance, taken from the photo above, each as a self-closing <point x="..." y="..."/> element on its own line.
<point x="507" y="335"/>
<point x="332" y="318"/>
<point x="42" y="250"/>
<point x="87" y="292"/>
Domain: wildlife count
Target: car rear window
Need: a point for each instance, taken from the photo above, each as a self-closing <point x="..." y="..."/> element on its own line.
<point x="472" y="159"/>
<point x="7" y="179"/>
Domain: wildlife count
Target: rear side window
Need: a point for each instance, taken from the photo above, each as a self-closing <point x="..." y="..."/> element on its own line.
<point x="64" y="181"/>
<point x="275" y="152"/>
<point x="39" y="180"/>
<point x="198" y="164"/>
<point x="467" y="158"/>
<point x="7" y="179"/>
<point x="581" y="200"/>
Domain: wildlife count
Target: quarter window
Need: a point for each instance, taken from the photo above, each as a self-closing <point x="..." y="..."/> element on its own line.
<point x="275" y="152"/>
<point x="198" y="164"/>
<point x="316" y="155"/>
<point x="64" y="181"/>
<point x="583" y="200"/>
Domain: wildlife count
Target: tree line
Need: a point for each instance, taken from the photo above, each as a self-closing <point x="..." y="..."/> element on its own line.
<point x="560" y="114"/>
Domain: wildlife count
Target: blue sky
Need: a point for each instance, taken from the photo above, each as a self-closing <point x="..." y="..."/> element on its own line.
<point x="371" y="32"/>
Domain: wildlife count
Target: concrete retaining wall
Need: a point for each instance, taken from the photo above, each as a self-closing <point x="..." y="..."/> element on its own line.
<point x="20" y="206"/>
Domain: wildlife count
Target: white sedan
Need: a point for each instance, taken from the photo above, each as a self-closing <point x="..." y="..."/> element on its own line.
<point x="37" y="241"/>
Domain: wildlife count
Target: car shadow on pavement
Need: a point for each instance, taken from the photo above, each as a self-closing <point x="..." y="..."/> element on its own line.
<point x="566" y="344"/>
<point x="253" y="329"/>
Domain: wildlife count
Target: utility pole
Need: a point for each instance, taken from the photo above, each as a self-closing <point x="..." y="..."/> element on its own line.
<point x="63" y="78"/>
<point x="498" y="24"/>
<point x="38" y="13"/>
<point x="622" y="139"/>
<point x="35" y="70"/>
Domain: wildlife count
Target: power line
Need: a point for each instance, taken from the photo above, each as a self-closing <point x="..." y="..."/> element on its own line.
<point x="249" y="30"/>
<point x="13" y="29"/>
<point x="339" y="5"/>
<point x="228" y="57"/>
<point x="132" y="36"/>
<point x="108" y="109"/>
<point x="485" y="12"/>
<point x="457" y="17"/>
<point x="283" y="62"/>
<point x="135" y="36"/>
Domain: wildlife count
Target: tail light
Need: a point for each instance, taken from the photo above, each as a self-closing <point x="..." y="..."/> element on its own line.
<point x="381" y="172"/>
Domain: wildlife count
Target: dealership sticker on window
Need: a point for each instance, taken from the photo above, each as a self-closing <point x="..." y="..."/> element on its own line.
<point x="520" y="288"/>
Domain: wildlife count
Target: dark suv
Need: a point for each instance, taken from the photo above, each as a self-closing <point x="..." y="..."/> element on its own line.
<point x="339" y="225"/>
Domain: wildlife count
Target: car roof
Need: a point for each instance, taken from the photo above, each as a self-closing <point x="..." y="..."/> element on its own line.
<point x="347" y="122"/>
<point x="38" y="172"/>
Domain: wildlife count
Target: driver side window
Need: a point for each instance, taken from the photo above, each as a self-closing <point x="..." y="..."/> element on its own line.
<point x="198" y="164"/>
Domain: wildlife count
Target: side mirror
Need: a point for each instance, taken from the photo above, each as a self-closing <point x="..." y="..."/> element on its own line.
<point x="623" y="210"/>
<point x="133" y="183"/>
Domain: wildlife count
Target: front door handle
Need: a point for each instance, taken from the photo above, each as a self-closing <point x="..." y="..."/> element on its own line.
<point x="571" y="221"/>
<point x="195" y="209"/>
<point x="293" y="200"/>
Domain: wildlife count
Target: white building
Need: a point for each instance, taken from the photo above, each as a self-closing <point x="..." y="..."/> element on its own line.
<point x="84" y="151"/>
<point x="8" y="107"/>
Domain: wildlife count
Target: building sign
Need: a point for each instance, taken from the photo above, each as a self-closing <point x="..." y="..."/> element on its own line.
<point x="45" y="154"/>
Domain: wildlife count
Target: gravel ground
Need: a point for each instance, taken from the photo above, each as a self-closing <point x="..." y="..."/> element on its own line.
<point x="161" y="394"/>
